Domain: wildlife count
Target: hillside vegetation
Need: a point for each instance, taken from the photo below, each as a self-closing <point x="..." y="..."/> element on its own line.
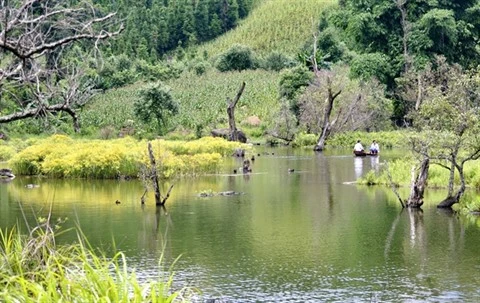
<point x="274" y="25"/>
<point x="202" y="101"/>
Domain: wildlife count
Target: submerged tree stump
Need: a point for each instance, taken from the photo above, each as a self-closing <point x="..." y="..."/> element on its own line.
<point x="154" y="176"/>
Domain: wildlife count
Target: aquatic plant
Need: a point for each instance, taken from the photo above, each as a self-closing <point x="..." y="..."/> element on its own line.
<point x="34" y="268"/>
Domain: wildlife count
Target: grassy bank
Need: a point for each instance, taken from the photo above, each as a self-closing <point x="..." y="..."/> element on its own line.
<point x="34" y="268"/>
<point x="61" y="156"/>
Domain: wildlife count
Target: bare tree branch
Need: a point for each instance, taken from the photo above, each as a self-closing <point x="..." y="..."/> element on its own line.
<point x="29" y="31"/>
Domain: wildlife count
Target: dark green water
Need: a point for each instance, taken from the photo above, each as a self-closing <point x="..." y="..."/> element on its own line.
<point x="304" y="236"/>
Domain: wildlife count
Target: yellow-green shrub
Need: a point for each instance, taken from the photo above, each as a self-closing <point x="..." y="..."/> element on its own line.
<point x="61" y="156"/>
<point x="203" y="145"/>
<point x="6" y="152"/>
<point x="29" y="161"/>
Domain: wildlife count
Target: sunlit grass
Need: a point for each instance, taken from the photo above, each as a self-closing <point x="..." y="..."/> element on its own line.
<point x="34" y="268"/>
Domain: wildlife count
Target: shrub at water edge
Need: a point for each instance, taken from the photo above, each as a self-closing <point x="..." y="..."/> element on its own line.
<point x="60" y="156"/>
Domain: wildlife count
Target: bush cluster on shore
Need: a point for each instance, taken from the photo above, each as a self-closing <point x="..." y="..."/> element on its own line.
<point x="61" y="156"/>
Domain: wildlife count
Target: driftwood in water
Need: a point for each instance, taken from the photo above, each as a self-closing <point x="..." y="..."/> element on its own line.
<point x="6" y="173"/>
<point x="154" y="176"/>
<point x="225" y="134"/>
<point x="246" y="166"/>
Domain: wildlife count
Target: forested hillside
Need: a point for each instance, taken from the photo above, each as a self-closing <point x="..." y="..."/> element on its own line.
<point x="155" y="27"/>
<point x="373" y="60"/>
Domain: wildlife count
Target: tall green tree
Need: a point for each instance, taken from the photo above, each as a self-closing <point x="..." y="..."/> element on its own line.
<point x="202" y="21"/>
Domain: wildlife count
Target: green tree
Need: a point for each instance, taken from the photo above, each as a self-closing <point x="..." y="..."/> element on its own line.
<point x="230" y="12"/>
<point x="215" y="26"/>
<point x="156" y="103"/>
<point x="237" y="58"/>
<point x="407" y="34"/>
<point x="449" y="116"/>
<point x="293" y="81"/>
<point x="202" y="21"/>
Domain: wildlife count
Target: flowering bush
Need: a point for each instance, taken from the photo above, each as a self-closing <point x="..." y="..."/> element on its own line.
<point x="60" y="156"/>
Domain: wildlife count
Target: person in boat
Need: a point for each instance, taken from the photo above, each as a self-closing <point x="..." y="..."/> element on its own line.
<point x="374" y="148"/>
<point x="358" y="148"/>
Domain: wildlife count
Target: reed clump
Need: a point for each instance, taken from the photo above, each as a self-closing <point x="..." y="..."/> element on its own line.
<point x="34" y="268"/>
<point x="60" y="156"/>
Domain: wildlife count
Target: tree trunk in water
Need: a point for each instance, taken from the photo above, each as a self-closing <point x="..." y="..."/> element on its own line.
<point x="452" y="199"/>
<point x="326" y="128"/>
<point x="451" y="180"/>
<point x="323" y="137"/>
<point x="415" y="200"/>
<point x="154" y="175"/>
<point x="235" y="135"/>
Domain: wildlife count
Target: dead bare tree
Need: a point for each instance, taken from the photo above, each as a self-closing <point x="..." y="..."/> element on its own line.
<point x="330" y="99"/>
<point x="159" y="200"/>
<point x="30" y="30"/>
<point x="327" y="124"/>
<point x="234" y="132"/>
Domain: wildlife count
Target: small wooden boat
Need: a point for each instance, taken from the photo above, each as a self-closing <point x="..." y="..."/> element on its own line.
<point x="364" y="154"/>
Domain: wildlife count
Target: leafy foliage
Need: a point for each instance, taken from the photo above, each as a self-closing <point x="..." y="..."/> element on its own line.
<point x="237" y="58"/>
<point x="390" y="37"/>
<point x="293" y="81"/>
<point x="156" y="102"/>
<point x="154" y="28"/>
<point x="371" y="65"/>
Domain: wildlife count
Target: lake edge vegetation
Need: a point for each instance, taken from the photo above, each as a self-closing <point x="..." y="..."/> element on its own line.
<point x="34" y="265"/>
<point x="364" y="66"/>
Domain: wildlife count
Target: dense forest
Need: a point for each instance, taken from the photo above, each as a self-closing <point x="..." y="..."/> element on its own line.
<point x="155" y="27"/>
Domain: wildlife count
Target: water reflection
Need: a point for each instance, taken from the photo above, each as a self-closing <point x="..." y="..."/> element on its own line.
<point x="300" y="236"/>
<point x="375" y="162"/>
<point x="358" y="166"/>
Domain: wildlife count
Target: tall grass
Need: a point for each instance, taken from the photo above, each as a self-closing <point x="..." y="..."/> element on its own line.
<point x="274" y="25"/>
<point x="34" y="268"/>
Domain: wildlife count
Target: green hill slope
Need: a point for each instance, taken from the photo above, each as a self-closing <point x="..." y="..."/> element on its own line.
<point x="275" y="25"/>
<point x="202" y="100"/>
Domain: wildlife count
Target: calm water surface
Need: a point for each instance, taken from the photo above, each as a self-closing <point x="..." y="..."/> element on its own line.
<point x="306" y="236"/>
